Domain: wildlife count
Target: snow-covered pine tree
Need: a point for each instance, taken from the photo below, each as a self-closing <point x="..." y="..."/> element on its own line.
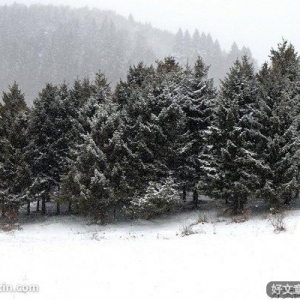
<point x="108" y="134"/>
<point x="86" y="184"/>
<point x="153" y="116"/>
<point x="6" y="173"/>
<point x="167" y="107"/>
<point x="138" y="129"/>
<point x="53" y="131"/>
<point x="234" y="140"/>
<point x="13" y="140"/>
<point x="92" y="99"/>
<point x="98" y="92"/>
<point x="78" y="124"/>
<point x="19" y="140"/>
<point x="198" y="103"/>
<point x="135" y="132"/>
<point x="279" y="96"/>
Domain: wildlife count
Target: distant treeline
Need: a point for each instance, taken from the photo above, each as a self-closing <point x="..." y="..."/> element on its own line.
<point x="41" y="44"/>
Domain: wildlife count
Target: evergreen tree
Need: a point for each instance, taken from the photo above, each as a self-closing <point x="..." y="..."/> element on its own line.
<point x="13" y="104"/>
<point x="53" y="131"/>
<point x="279" y="86"/>
<point x="93" y="100"/>
<point x="138" y="129"/>
<point x="234" y="140"/>
<point x="86" y="183"/>
<point x="14" y="171"/>
<point x="198" y="103"/>
<point x="196" y="41"/>
<point x="179" y="43"/>
<point x="167" y="107"/>
<point x="96" y="93"/>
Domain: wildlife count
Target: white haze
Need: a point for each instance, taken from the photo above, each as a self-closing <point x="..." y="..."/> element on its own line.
<point x="258" y="24"/>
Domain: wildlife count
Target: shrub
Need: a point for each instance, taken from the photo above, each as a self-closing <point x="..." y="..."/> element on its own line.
<point x="159" y="198"/>
<point x="278" y="223"/>
<point x="202" y="218"/>
<point x="187" y="230"/>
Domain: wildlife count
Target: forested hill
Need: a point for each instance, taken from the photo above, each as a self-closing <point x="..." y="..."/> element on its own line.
<point x="40" y="44"/>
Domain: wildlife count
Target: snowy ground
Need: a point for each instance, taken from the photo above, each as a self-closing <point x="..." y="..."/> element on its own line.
<point x="70" y="259"/>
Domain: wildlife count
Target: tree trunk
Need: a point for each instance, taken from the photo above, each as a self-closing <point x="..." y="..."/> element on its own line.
<point x="102" y="216"/>
<point x="43" y="206"/>
<point x="70" y="207"/>
<point x="38" y="205"/>
<point x="238" y="207"/>
<point x="2" y="209"/>
<point x="195" y="198"/>
<point x="58" y="208"/>
<point x="235" y="207"/>
<point x="28" y="207"/>
<point x="184" y="193"/>
<point x="287" y="201"/>
<point x="77" y="208"/>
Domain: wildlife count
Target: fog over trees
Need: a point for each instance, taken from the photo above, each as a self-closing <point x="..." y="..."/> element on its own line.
<point x="40" y="44"/>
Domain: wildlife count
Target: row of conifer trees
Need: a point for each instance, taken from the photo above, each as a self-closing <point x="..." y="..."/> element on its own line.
<point x="162" y="132"/>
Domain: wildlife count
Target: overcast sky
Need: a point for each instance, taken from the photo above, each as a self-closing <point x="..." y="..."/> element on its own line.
<point x="259" y="24"/>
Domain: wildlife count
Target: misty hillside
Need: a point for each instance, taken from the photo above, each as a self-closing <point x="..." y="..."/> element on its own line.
<point x="40" y="44"/>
